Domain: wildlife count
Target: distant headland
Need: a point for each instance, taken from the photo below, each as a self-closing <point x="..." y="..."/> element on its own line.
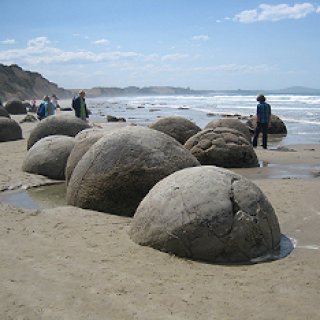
<point x="16" y="83"/>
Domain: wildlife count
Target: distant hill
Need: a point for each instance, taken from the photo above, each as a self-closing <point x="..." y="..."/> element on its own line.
<point x="16" y="83"/>
<point x="299" y="90"/>
<point x="136" y="91"/>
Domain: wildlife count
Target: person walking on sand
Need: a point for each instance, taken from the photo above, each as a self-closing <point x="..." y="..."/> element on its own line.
<point x="80" y="107"/>
<point x="263" y="121"/>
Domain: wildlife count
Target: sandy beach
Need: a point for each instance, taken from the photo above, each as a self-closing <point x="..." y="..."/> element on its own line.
<point x="70" y="263"/>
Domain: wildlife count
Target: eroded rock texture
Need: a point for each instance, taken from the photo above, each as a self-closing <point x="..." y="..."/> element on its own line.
<point x="207" y="213"/>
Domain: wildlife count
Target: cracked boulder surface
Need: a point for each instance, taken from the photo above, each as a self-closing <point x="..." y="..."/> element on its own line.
<point x="116" y="173"/>
<point x="56" y="125"/>
<point x="209" y="214"/>
<point x="222" y="147"/>
<point x="48" y="156"/>
<point x="235" y="124"/>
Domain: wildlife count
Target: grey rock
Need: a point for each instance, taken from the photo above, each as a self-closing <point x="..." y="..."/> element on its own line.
<point x="4" y="112"/>
<point x="232" y="124"/>
<point x="16" y="107"/>
<point x="178" y="128"/>
<point x="10" y="130"/>
<point x="223" y="147"/>
<point x="83" y="142"/>
<point x="207" y="213"/>
<point x="120" y="168"/>
<point x="277" y="125"/>
<point x="48" y="156"/>
<point x="56" y="125"/>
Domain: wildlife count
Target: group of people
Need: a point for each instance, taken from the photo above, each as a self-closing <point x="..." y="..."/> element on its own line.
<point x="48" y="106"/>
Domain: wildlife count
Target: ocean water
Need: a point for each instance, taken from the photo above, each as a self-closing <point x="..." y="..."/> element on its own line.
<point x="300" y="113"/>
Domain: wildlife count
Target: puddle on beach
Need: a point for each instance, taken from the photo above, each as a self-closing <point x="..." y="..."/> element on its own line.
<point x="43" y="197"/>
<point x="52" y="196"/>
<point x="286" y="247"/>
<point x="280" y="171"/>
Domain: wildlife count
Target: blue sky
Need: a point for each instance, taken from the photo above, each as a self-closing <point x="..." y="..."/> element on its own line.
<point x="199" y="44"/>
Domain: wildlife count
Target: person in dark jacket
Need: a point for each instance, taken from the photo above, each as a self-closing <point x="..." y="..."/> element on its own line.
<point x="263" y="121"/>
<point x="80" y="107"/>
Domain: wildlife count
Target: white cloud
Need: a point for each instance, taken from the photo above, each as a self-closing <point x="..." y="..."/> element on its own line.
<point x="266" y="12"/>
<point x="101" y="41"/>
<point x="174" y="57"/>
<point x="41" y="51"/>
<point x="200" y="37"/>
<point x="232" y="68"/>
<point x="8" y="41"/>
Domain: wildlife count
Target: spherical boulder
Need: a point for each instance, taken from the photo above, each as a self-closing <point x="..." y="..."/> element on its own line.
<point x="10" y="130"/>
<point x="209" y="214"/>
<point x="48" y="156"/>
<point x="4" y="112"/>
<point x="56" y="125"/>
<point x="16" y="107"/>
<point x="116" y="173"/>
<point x="232" y="124"/>
<point x="223" y="147"/>
<point x="83" y="141"/>
<point x="277" y="125"/>
<point x="178" y="128"/>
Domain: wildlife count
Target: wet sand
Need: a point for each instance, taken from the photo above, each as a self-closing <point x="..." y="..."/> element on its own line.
<point x="70" y="263"/>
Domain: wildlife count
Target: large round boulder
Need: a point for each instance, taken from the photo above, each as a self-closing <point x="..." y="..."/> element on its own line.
<point x="4" y="112"/>
<point x="83" y="142"/>
<point x="223" y="147"/>
<point x="10" y="130"/>
<point x="16" y="107"/>
<point x="178" y="128"/>
<point x="207" y="213"/>
<point x="56" y="125"/>
<point x="230" y="123"/>
<point x="120" y="168"/>
<point x="48" y="156"/>
<point x="277" y="125"/>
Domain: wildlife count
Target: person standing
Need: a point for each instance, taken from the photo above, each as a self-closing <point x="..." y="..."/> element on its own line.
<point x="45" y="109"/>
<point x="263" y="121"/>
<point x="54" y="100"/>
<point x="80" y="107"/>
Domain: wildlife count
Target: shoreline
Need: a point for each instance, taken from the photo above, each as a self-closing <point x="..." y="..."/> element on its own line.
<point x="70" y="263"/>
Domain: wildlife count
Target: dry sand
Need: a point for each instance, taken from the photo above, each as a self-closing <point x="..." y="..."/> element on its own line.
<point x="70" y="263"/>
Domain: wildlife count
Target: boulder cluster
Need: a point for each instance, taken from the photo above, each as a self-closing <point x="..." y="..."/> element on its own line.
<point x="168" y="177"/>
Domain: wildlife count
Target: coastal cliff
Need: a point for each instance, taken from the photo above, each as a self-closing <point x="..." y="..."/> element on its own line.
<point x="16" y="83"/>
